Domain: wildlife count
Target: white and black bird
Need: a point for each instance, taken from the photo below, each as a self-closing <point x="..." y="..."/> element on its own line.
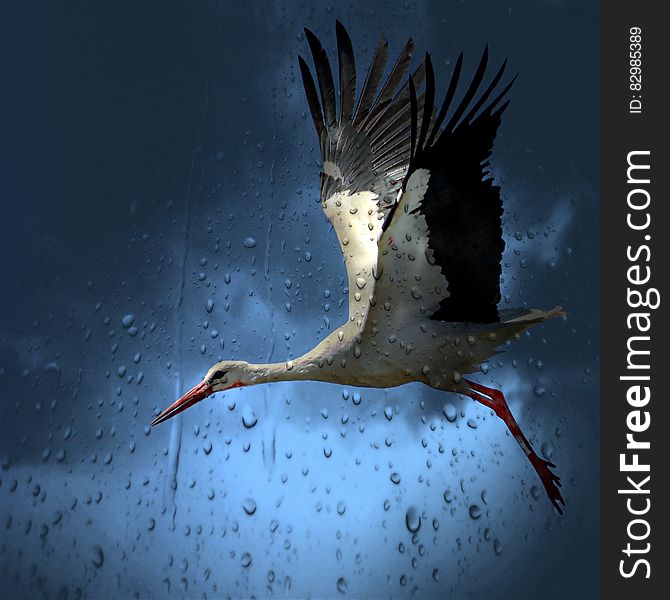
<point x="407" y="188"/>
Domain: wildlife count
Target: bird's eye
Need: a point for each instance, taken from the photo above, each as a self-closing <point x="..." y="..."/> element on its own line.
<point x="219" y="374"/>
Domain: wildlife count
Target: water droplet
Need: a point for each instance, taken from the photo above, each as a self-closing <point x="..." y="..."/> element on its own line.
<point x="250" y="243"/>
<point x="127" y="321"/>
<point x="388" y="413"/>
<point x="436" y="575"/>
<point x="246" y="557"/>
<point x="475" y="512"/>
<point x="249" y="506"/>
<point x="472" y="424"/>
<point x="413" y="519"/>
<point x="449" y="411"/>
<point x="360" y="283"/>
<point x="395" y="478"/>
<point x="539" y="391"/>
<point x="342" y="585"/>
<point x="249" y="419"/>
<point x="97" y="557"/>
<point x="497" y="546"/>
<point x="341" y="507"/>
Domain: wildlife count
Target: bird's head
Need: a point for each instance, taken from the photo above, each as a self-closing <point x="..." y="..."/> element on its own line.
<point x="222" y="376"/>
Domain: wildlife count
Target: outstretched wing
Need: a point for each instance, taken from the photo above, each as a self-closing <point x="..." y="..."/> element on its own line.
<point x="441" y="247"/>
<point x="365" y="150"/>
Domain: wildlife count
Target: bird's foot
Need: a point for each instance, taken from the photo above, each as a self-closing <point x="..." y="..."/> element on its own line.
<point x="495" y="400"/>
<point x="550" y="480"/>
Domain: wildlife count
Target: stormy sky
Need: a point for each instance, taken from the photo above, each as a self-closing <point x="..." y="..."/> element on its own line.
<point x="160" y="212"/>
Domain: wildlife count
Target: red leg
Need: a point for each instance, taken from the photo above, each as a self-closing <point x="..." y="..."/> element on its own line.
<point x="495" y="400"/>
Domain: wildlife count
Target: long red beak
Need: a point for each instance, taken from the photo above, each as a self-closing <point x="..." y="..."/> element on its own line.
<point x="199" y="392"/>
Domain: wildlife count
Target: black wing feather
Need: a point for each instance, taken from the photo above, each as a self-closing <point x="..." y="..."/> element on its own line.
<point x="451" y="91"/>
<point x="372" y="80"/>
<point x="324" y="76"/>
<point x="429" y="101"/>
<point x="347" y="73"/>
<point x="472" y="90"/>
<point x="312" y="96"/>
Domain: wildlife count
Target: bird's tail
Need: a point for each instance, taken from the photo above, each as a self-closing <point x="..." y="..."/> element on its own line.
<point x="492" y="336"/>
<point x="528" y="316"/>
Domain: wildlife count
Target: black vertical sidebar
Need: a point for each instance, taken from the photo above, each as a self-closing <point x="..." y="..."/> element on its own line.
<point x="635" y="338"/>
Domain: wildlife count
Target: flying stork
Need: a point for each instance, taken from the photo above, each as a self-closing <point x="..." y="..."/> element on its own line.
<point x="410" y="196"/>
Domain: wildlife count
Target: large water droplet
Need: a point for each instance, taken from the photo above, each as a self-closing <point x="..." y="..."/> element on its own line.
<point x="342" y="585"/>
<point x="250" y="242"/>
<point x="413" y="519"/>
<point x="249" y="506"/>
<point x="249" y="419"/>
<point x="449" y="411"/>
<point x="97" y="557"/>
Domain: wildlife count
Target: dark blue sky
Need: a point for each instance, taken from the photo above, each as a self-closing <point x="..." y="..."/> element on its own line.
<point x="137" y="137"/>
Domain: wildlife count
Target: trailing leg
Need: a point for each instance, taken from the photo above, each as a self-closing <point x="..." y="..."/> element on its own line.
<point x="495" y="400"/>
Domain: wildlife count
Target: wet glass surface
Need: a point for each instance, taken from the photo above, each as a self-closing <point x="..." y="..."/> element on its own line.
<point x="160" y="212"/>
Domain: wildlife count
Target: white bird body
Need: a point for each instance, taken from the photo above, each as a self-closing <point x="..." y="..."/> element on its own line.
<point x="419" y="224"/>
